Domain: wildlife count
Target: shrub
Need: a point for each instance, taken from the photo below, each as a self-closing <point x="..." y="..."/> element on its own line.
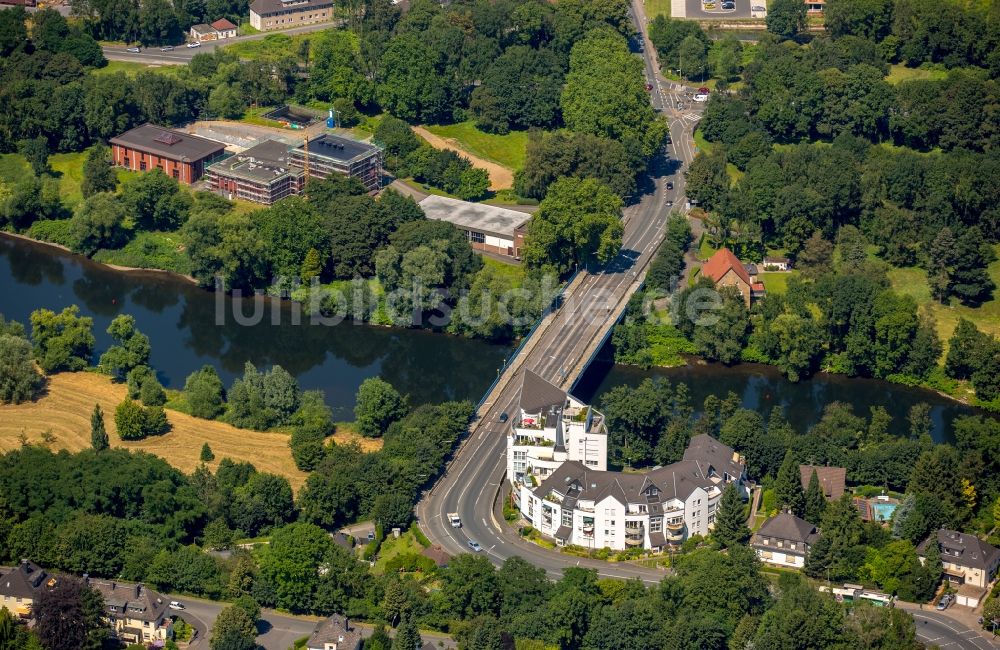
<point x="57" y="231"/>
<point x="135" y="422"/>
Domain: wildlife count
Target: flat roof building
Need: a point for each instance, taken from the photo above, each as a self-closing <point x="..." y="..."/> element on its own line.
<point x="261" y="174"/>
<point x="266" y="15"/>
<point x="179" y="155"/>
<point x="328" y="154"/>
<point x="489" y="228"/>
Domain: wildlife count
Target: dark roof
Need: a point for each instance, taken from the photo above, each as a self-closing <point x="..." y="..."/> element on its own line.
<point x="23" y="581"/>
<point x="168" y="143"/>
<point x="575" y="481"/>
<point x="788" y="527"/>
<point x="266" y="7"/>
<point x="223" y="24"/>
<point x="134" y="601"/>
<point x="438" y="554"/>
<point x="831" y="479"/>
<point x="964" y="550"/>
<point x="337" y="148"/>
<point x="266" y="162"/>
<point x="202" y="28"/>
<point x="538" y="395"/>
<point x="713" y="454"/>
<point x="335" y="629"/>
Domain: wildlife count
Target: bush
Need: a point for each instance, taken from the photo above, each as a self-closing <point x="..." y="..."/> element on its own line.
<point x="148" y="250"/>
<point x="18" y="378"/>
<point x="57" y="231"/>
<point x="135" y="422"/>
<point x="203" y="392"/>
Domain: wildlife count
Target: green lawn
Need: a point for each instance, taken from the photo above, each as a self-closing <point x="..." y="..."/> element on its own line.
<point x="133" y="67"/>
<point x="13" y="167"/>
<point x="701" y="142"/>
<point x="777" y="282"/>
<point x="900" y="73"/>
<point x="913" y="282"/>
<point x="657" y="7"/>
<point x="272" y="46"/>
<point x="391" y="547"/>
<point x="70" y="166"/>
<point x="513" y="272"/>
<point x="507" y="150"/>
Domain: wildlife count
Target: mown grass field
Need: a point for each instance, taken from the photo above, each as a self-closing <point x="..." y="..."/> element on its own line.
<point x="777" y="282"/>
<point x="913" y="282"/>
<point x="508" y="150"/>
<point x="900" y="73"/>
<point x="65" y="408"/>
<point x="656" y="7"/>
<point x="134" y="67"/>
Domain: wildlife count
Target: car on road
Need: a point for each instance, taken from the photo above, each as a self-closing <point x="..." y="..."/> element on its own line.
<point x="945" y="602"/>
<point x="167" y="48"/>
<point x="194" y="44"/>
<point x="456" y="521"/>
<point x="670" y="185"/>
<point x="503" y="417"/>
<point x="670" y="203"/>
<point x="133" y="49"/>
<point x="175" y="604"/>
<point x="475" y="546"/>
<point x="649" y="87"/>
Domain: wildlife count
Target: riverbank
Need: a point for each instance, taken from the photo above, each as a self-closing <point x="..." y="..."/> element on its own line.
<point x="60" y="419"/>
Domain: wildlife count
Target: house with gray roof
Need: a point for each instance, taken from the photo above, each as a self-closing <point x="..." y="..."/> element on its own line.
<point x="489" y="228"/>
<point x="721" y="461"/>
<point x="334" y="633"/>
<point x="266" y="15"/>
<point x="20" y="587"/>
<point x="784" y="540"/>
<point x="966" y="559"/>
<point x="137" y="613"/>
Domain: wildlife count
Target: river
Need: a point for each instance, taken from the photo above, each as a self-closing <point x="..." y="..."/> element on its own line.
<point x="180" y="320"/>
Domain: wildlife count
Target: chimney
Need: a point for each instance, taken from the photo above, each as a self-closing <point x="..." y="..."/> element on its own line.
<point x="138" y="589"/>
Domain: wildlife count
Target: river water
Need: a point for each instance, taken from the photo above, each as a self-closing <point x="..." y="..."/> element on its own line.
<point x="181" y="322"/>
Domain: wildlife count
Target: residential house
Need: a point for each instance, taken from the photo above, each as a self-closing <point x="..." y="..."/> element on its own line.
<point x="832" y="480"/>
<point x="968" y="562"/>
<point x="726" y="270"/>
<point x="21" y="585"/>
<point x="224" y="28"/>
<point x="550" y="428"/>
<point x="335" y="633"/>
<point x="137" y="613"/>
<point x="179" y="155"/>
<point x="489" y="228"/>
<point x="218" y="30"/>
<point x="777" y="264"/>
<point x="266" y="15"/>
<point x="557" y="465"/>
<point x="784" y="540"/>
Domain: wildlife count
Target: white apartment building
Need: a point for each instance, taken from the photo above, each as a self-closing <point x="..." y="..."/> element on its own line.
<point x="557" y="465"/>
<point x="551" y="428"/>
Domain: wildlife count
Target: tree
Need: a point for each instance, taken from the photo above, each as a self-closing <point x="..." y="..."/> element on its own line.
<point x="393" y="510"/>
<point x="131" y="348"/>
<point x="721" y="334"/>
<point x="377" y="406"/>
<point x="156" y="201"/>
<point x="579" y="222"/>
<point x="786" y="18"/>
<point x="730" y="525"/>
<point x="234" y="629"/>
<point x="98" y="174"/>
<point x="13" y="31"/>
<point x="62" y="341"/>
<point x="263" y="502"/>
<point x="98" y="435"/>
<point x="550" y="156"/>
<point x="100" y="222"/>
<point x="70" y="615"/>
<point x="728" y="58"/>
<point x="519" y="90"/>
<point x="407" y="636"/>
<point x="206" y="455"/>
<point x="707" y="179"/>
<point x="261" y="400"/>
<point x="815" y="501"/>
<point x="133" y="422"/>
<point x="788" y="486"/>
<point x="203" y="391"/>
<point x="816" y="257"/>
<point x="379" y="640"/>
<point x="801" y="618"/>
<point x="18" y="378"/>
<point x="692" y="56"/>
<point x="36" y="152"/>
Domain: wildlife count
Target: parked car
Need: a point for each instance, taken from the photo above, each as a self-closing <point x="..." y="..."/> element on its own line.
<point x="133" y="49"/>
<point x="475" y="546"/>
<point x="729" y="6"/>
<point x="503" y="417"/>
<point x="174" y="604"/>
<point x="670" y="185"/>
<point x="167" y="48"/>
<point x="760" y="8"/>
<point x="945" y="601"/>
<point x="194" y="44"/>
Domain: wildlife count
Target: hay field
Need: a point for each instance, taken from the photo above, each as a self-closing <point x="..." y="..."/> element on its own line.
<point x="65" y="408"/>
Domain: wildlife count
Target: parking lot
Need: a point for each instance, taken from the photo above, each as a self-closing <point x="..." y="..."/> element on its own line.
<point x="695" y="9"/>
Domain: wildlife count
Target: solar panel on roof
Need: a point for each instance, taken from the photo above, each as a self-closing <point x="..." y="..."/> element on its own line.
<point x="168" y="138"/>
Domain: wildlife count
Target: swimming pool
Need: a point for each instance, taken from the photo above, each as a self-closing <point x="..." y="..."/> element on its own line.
<point x="883" y="511"/>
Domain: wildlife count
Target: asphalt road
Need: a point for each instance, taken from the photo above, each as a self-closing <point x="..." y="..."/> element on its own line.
<point x="471" y="481"/>
<point x="181" y="54"/>
<point x="936" y="629"/>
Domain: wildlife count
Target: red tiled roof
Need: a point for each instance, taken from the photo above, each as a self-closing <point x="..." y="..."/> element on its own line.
<point x="222" y="23"/>
<point x="721" y="263"/>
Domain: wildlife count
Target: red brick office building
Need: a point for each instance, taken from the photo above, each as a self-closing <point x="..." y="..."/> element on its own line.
<point x="179" y="155"/>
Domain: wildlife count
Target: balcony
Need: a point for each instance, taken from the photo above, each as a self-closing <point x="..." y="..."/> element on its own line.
<point x="635" y="533"/>
<point x="675" y="525"/>
<point x="528" y="441"/>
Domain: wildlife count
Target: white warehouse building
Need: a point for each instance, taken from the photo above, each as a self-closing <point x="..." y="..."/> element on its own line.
<point x="557" y="465"/>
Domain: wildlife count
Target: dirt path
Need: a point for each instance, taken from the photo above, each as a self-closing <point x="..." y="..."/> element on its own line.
<point x="501" y="178"/>
<point x="65" y="412"/>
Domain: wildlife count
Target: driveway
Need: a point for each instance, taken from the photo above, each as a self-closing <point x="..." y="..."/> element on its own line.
<point x="695" y="10"/>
